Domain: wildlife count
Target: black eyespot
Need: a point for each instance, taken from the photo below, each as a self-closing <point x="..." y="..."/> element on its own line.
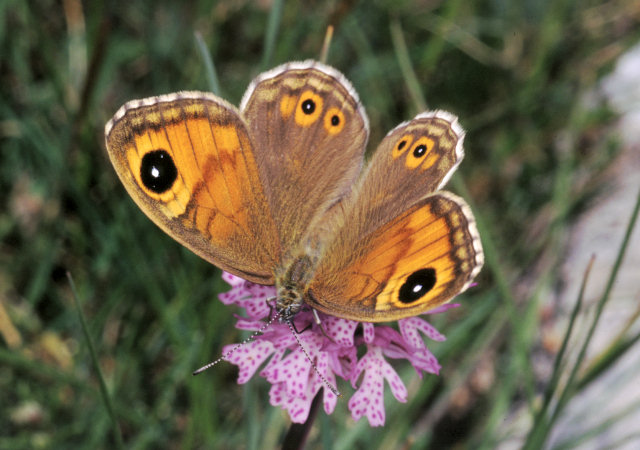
<point x="401" y="144"/>
<point x="417" y="285"/>
<point x="308" y="107"/>
<point x="335" y="121"/>
<point x="157" y="171"/>
<point x="419" y="151"/>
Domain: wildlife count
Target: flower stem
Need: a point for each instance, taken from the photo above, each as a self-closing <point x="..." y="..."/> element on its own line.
<point x="298" y="433"/>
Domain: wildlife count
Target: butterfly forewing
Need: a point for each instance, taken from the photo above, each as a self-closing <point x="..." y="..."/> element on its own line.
<point x="187" y="161"/>
<point x="414" y="263"/>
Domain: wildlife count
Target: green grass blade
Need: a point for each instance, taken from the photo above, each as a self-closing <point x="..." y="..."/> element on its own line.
<point x="326" y="44"/>
<point x="540" y="425"/>
<point x="404" y="60"/>
<point x="616" y="349"/>
<point x="275" y="17"/>
<point x="104" y="392"/>
<point x="572" y="383"/>
<point x="209" y="67"/>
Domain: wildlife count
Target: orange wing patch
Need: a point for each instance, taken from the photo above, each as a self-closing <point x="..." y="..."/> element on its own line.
<point x="402" y="145"/>
<point x="287" y="104"/>
<point x="421" y="151"/>
<point x="187" y="160"/>
<point x="309" y="108"/>
<point x="413" y="264"/>
<point x="334" y="121"/>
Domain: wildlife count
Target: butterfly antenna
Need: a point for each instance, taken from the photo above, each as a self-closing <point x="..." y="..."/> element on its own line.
<point x="230" y="352"/>
<point x="315" y="368"/>
<point x="325" y="45"/>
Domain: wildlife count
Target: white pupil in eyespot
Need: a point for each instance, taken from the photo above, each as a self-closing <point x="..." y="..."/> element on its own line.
<point x="417" y="288"/>
<point x="155" y="173"/>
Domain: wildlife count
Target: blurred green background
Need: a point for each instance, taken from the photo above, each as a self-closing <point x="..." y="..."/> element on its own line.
<point x="516" y="73"/>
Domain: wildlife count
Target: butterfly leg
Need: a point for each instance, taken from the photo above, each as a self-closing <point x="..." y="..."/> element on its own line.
<point x="293" y="324"/>
<point x="319" y="322"/>
<point x="273" y="311"/>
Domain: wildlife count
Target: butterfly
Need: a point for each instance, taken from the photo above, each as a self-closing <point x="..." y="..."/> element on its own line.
<point x="277" y="192"/>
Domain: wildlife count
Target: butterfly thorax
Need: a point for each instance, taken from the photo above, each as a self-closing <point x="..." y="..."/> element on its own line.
<point x="292" y="285"/>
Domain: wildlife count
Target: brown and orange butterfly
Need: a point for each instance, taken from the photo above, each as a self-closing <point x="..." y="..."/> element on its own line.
<point x="276" y="193"/>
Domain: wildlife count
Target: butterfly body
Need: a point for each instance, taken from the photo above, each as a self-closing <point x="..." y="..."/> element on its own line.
<point x="292" y="285"/>
<point x="275" y="193"/>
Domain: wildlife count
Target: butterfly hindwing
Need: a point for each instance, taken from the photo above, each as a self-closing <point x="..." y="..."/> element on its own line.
<point x="312" y="131"/>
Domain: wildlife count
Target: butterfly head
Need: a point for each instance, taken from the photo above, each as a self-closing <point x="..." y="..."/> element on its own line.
<point x="291" y="286"/>
<point x="289" y="301"/>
